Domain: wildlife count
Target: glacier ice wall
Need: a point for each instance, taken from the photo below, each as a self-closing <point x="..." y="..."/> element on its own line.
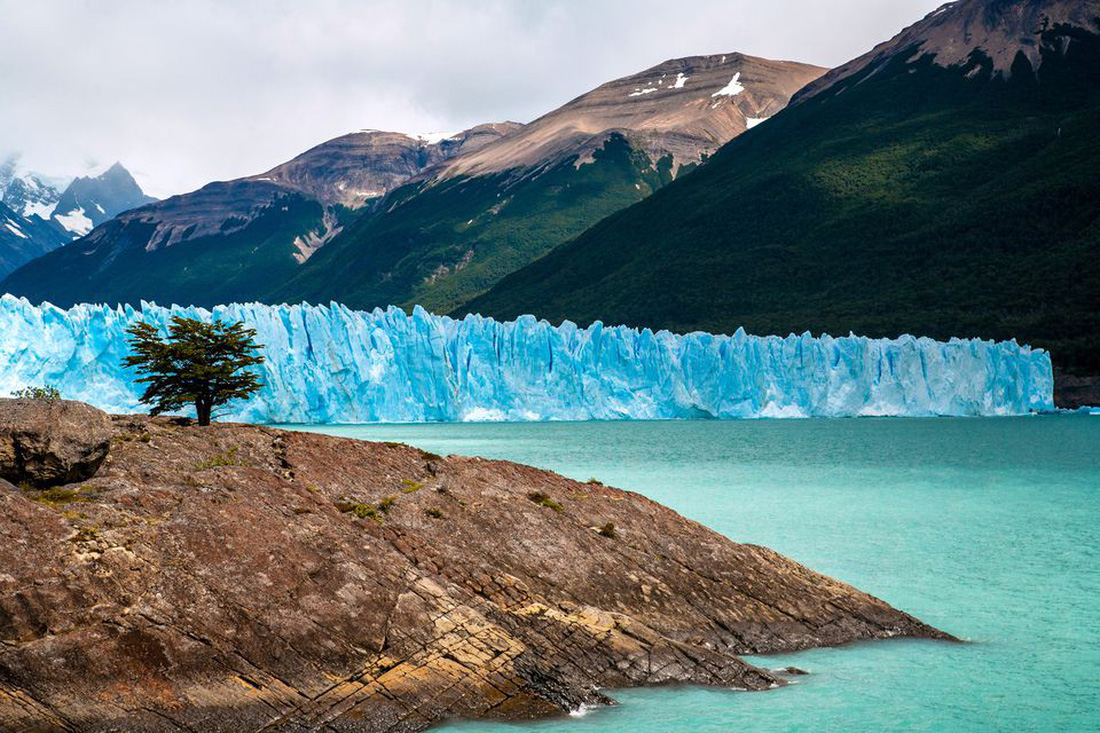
<point x="333" y="364"/>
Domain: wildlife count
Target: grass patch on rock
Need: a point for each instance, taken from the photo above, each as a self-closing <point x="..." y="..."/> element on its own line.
<point x="228" y="458"/>
<point x="542" y="499"/>
<point x="359" y="509"/>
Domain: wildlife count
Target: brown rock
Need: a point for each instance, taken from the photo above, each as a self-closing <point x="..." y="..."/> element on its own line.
<point x="674" y="109"/>
<point x="184" y="588"/>
<point x="50" y="443"/>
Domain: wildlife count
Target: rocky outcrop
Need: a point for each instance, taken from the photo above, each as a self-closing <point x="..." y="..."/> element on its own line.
<point x="354" y="169"/>
<point x="1073" y="391"/>
<point x="683" y="108"/>
<point x="970" y="35"/>
<point x="240" y="578"/>
<point x="45" y="443"/>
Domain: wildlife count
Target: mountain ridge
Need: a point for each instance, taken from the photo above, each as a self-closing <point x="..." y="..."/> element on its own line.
<point x="698" y="115"/>
<point x="953" y="34"/>
<point x="456" y="229"/>
<point x="231" y="240"/>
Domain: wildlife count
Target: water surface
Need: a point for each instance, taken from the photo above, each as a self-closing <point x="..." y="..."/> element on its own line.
<point x="986" y="528"/>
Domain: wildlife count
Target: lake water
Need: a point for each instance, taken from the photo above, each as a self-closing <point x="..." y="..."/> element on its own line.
<point x="986" y="528"/>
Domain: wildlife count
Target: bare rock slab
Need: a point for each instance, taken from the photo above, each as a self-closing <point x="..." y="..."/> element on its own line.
<point x="242" y="578"/>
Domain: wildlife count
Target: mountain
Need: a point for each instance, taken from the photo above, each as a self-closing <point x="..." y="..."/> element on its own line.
<point x="28" y="193"/>
<point x="460" y="227"/>
<point x="683" y="108"/>
<point x="943" y="184"/>
<point x="93" y="199"/>
<point x="49" y="212"/>
<point x="233" y="240"/>
<point x="24" y="238"/>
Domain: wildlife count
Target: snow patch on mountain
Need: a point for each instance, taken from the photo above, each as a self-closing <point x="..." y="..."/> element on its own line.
<point x="39" y="209"/>
<point x="75" y="221"/>
<point x="431" y="138"/>
<point x="732" y="89"/>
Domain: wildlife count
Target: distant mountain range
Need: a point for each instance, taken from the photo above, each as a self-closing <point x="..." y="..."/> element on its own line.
<point x="42" y="213"/>
<point x="374" y="218"/>
<point x="944" y="184"/>
<point x="237" y="240"/>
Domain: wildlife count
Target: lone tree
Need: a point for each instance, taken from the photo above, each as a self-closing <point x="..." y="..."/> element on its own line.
<point x="204" y="364"/>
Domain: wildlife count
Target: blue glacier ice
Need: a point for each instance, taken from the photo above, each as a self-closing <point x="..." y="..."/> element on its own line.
<point x="330" y="364"/>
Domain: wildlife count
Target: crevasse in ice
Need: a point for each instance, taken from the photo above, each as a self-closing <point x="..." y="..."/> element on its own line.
<point x="332" y="364"/>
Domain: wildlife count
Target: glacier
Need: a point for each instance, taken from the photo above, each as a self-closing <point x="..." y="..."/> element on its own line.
<point x="331" y="364"/>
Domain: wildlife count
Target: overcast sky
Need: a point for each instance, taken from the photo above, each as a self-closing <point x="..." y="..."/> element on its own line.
<point x="188" y="92"/>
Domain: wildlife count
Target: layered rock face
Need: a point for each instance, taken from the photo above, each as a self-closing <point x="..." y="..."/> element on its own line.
<point x="970" y="34"/>
<point x="684" y="108"/>
<point x="353" y="169"/>
<point x="240" y="578"/>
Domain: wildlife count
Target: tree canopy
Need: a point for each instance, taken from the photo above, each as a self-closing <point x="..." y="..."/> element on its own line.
<point x="200" y="364"/>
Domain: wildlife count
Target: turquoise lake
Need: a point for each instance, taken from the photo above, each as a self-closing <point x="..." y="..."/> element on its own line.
<point x="986" y="528"/>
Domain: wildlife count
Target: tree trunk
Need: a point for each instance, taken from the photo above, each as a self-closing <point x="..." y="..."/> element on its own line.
<point x="203" y="408"/>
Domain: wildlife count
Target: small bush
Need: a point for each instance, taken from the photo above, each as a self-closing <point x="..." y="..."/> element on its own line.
<point x="411" y="486"/>
<point x="433" y="513"/>
<point x="386" y="504"/>
<point x="543" y="500"/>
<point x="48" y="393"/>
<point x="363" y="511"/>
<point x="594" y="482"/>
<point x="366" y="511"/>
<point x="608" y="530"/>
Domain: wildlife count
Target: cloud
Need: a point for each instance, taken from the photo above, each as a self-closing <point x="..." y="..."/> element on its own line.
<point x="185" y="93"/>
